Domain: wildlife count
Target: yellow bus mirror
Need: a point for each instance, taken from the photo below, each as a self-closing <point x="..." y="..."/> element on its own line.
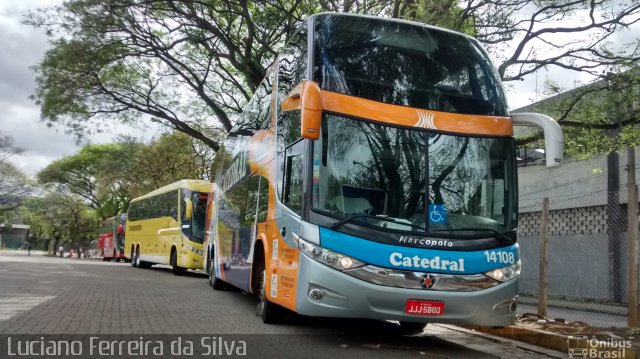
<point x="311" y="110"/>
<point x="188" y="208"/>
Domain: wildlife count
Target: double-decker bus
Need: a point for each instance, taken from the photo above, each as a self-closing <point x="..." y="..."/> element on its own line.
<point x="373" y="175"/>
<point x="110" y="242"/>
<point x="167" y="226"/>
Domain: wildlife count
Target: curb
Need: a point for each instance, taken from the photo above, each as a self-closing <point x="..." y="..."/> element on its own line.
<point x="543" y="351"/>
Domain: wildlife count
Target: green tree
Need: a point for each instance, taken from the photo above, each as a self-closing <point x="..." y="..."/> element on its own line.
<point x="14" y="185"/>
<point x="65" y="219"/>
<point x="193" y="65"/>
<point x="95" y="174"/>
<point x="601" y="117"/>
<point x="169" y="158"/>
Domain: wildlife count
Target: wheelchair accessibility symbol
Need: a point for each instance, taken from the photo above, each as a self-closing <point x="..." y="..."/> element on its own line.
<point x="437" y="214"/>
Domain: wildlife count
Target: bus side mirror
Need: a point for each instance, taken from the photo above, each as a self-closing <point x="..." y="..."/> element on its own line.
<point x="553" y="138"/>
<point x="308" y="98"/>
<point x="188" y="208"/>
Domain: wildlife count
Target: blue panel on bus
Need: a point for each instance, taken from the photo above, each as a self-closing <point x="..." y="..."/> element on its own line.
<point x="437" y="214"/>
<point x="419" y="259"/>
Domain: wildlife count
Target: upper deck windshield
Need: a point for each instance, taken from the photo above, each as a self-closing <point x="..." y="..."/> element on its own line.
<point x="405" y="64"/>
<point x="390" y="177"/>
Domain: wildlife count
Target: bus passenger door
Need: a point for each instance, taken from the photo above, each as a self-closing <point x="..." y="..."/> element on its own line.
<point x="291" y="172"/>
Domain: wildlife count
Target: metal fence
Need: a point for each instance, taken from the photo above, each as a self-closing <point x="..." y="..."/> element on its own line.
<point x="586" y="255"/>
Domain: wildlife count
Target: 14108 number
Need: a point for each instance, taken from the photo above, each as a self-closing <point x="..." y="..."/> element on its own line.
<point x="500" y="257"/>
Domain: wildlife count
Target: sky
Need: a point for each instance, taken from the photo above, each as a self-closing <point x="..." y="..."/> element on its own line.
<point x="22" y="46"/>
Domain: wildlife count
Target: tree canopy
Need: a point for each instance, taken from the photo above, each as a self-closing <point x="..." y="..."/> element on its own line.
<point x="92" y="174"/>
<point x="63" y="218"/>
<point x="107" y="176"/>
<point x="192" y="65"/>
<point x="14" y="185"/>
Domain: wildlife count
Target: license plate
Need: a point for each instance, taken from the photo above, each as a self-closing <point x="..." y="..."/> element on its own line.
<point x="424" y="307"/>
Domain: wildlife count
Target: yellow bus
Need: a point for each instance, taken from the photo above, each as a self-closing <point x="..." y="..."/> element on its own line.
<point x="167" y="226"/>
<point x="373" y="175"/>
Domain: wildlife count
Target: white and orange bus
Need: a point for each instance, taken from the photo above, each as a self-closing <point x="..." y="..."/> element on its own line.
<point x="373" y="175"/>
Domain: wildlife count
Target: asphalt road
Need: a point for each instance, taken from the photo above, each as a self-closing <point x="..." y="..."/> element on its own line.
<point x="43" y="298"/>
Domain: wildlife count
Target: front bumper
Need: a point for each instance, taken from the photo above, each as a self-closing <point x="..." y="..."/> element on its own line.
<point x="345" y="296"/>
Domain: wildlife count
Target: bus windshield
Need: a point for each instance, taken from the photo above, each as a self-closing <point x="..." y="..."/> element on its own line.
<point x="405" y="64"/>
<point x="414" y="180"/>
<point x="196" y="231"/>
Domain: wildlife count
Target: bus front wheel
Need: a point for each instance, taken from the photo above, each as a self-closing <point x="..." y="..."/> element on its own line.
<point x="177" y="270"/>
<point x="271" y="313"/>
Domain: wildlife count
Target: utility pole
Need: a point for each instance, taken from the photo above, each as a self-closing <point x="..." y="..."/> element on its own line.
<point x="543" y="277"/>
<point x="614" y="226"/>
<point x="632" y="231"/>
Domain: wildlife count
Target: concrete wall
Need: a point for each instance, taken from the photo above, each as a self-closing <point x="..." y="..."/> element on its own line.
<point x="588" y="244"/>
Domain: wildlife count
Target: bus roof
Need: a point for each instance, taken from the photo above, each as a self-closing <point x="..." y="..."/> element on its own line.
<point x="192" y="184"/>
<point x="416" y="23"/>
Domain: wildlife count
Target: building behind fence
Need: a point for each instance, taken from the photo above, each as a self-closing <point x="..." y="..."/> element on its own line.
<point x="587" y="246"/>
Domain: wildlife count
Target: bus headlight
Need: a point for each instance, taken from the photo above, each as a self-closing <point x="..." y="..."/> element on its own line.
<point x="194" y="249"/>
<point x="505" y="274"/>
<point x="330" y="258"/>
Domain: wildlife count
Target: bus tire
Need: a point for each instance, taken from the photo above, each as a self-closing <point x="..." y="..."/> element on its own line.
<point x="215" y="282"/>
<point x="271" y="313"/>
<point x="411" y="328"/>
<point x="133" y="258"/>
<point x="174" y="263"/>
<point x="140" y="263"/>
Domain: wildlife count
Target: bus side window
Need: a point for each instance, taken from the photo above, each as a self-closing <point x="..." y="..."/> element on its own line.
<point x="263" y="200"/>
<point x="292" y="64"/>
<point x="294" y="170"/>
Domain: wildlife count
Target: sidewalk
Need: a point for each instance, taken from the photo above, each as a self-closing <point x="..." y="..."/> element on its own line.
<point x="604" y="320"/>
<point x="568" y="323"/>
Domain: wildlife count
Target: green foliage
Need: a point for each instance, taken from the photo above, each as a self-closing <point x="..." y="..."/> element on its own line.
<point x="107" y="176"/>
<point x="193" y="65"/>
<point x="94" y="174"/>
<point x="602" y="117"/>
<point x="63" y="218"/>
<point x="442" y="13"/>
<point x="170" y="158"/>
<point x="14" y="187"/>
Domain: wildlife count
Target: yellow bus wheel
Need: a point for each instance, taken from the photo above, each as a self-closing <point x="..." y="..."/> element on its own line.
<point x="177" y="270"/>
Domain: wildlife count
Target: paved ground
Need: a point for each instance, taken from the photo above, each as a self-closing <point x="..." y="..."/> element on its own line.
<point x="60" y="296"/>
<point x="602" y="320"/>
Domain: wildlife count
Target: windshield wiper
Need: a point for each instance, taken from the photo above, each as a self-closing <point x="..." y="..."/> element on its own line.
<point x="501" y="236"/>
<point x="379" y="217"/>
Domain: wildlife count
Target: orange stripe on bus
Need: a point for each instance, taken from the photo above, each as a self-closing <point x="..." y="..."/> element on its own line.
<point x="413" y="117"/>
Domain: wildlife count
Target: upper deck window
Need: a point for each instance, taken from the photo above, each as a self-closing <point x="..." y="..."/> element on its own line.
<point x="405" y="64"/>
